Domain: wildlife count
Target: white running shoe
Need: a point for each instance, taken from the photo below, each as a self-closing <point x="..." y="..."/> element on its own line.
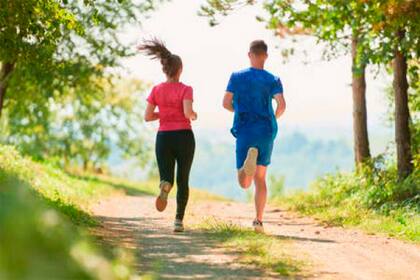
<point x="162" y="199"/>
<point x="250" y="163"/>
<point x="258" y="226"/>
<point x="178" y="226"/>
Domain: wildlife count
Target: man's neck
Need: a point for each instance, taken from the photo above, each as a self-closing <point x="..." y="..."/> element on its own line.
<point x="258" y="66"/>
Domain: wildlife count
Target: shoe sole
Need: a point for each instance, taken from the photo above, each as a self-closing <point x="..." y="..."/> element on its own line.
<point x="250" y="164"/>
<point x="258" y="227"/>
<point x="259" y="230"/>
<point x="162" y="198"/>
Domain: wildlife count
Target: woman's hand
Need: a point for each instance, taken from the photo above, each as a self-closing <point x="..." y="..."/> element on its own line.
<point x="188" y="110"/>
<point x="150" y="114"/>
<point x="193" y="116"/>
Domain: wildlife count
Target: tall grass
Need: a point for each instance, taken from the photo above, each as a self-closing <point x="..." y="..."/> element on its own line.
<point x="44" y="213"/>
<point x="40" y="208"/>
<point x="373" y="199"/>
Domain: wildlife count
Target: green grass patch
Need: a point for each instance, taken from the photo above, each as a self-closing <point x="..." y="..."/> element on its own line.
<point x="266" y="252"/>
<point x="71" y="196"/>
<point x="149" y="187"/>
<point x="44" y="215"/>
<point x="38" y="242"/>
<point x="372" y="199"/>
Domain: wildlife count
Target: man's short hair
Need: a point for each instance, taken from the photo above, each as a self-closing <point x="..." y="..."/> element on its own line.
<point x="258" y="47"/>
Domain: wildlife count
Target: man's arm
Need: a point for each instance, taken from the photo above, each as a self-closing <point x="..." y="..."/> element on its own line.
<point x="150" y="114"/>
<point x="228" y="101"/>
<point x="281" y="104"/>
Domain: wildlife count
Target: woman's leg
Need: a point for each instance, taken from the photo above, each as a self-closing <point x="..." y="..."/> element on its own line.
<point x="165" y="157"/>
<point x="185" y="155"/>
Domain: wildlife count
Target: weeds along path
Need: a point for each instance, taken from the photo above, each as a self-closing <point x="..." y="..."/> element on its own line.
<point x="331" y="252"/>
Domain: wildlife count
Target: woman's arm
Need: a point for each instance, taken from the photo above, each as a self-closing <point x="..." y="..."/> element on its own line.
<point x="281" y="105"/>
<point x="150" y="114"/>
<point x="188" y="110"/>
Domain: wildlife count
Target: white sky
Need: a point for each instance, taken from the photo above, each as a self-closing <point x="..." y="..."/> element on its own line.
<point x="317" y="95"/>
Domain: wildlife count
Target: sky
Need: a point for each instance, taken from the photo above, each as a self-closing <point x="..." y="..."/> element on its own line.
<point x="318" y="94"/>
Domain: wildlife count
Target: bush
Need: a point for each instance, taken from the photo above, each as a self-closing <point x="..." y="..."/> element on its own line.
<point x="372" y="198"/>
<point x="39" y="207"/>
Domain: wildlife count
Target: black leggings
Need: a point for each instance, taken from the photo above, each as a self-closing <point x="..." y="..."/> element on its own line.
<point x="176" y="146"/>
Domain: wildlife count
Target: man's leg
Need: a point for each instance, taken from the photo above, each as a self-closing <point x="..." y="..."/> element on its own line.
<point x="244" y="180"/>
<point x="247" y="165"/>
<point x="260" y="191"/>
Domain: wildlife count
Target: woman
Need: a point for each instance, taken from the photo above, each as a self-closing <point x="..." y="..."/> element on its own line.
<point x="175" y="139"/>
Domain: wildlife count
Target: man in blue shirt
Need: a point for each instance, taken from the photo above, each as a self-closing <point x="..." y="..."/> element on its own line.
<point x="249" y="95"/>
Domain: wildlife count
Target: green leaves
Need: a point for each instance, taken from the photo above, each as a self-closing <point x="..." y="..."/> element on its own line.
<point x="60" y="101"/>
<point x="82" y="125"/>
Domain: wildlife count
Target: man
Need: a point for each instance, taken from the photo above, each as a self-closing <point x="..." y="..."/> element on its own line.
<point x="249" y="95"/>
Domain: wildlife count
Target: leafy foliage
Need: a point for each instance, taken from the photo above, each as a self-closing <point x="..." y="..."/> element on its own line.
<point x="215" y="8"/>
<point x="83" y="125"/>
<point x="334" y="22"/>
<point x="54" y="44"/>
<point x="373" y="198"/>
<point x="60" y="53"/>
<point x="39" y="207"/>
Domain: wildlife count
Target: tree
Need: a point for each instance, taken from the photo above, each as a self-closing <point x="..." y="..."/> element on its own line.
<point x="396" y="27"/>
<point x="84" y="125"/>
<point x="381" y="32"/>
<point x="341" y="24"/>
<point x="54" y="42"/>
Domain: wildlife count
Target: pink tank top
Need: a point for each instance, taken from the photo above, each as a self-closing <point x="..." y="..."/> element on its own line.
<point x="169" y="97"/>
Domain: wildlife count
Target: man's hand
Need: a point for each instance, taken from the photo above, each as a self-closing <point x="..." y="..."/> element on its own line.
<point x="281" y="105"/>
<point x="228" y="101"/>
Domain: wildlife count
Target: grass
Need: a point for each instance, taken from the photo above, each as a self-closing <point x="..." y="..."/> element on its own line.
<point x="263" y="251"/>
<point x="71" y="196"/>
<point x="149" y="187"/>
<point x="45" y="216"/>
<point x="40" y="208"/>
<point x="400" y="222"/>
<point x="373" y="200"/>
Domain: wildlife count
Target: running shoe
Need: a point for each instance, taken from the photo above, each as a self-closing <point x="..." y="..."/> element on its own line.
<point x="258" y="226"/>
<point x="250" y="163"/>
<point x="178" y="226"/>
<point x="162" y="199"/>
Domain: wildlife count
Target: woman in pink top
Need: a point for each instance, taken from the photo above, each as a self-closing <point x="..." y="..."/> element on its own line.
<point x="175" y="139"/>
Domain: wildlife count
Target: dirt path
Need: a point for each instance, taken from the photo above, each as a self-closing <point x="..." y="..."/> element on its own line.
<point x="335" y="253"/>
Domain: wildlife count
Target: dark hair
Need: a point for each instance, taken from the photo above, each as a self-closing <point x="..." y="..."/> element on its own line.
<point x="258" y="47"/>
<point x="171" y="63"/>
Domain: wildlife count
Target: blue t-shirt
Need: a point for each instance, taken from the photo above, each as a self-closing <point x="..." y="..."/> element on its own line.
<point x="253" y="90"/>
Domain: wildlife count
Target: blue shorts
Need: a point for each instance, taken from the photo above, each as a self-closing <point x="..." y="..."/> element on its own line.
<point x="264" y="144"/>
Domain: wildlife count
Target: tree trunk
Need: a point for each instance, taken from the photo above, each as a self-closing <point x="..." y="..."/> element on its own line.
<point x="85" y="165"/>
<point x="402" y="113"/>
<point x="6" y="69"/>
<point x="360" y="129"/>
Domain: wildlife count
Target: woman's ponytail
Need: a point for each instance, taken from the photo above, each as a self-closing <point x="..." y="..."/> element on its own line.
<point x="156" y="49"/>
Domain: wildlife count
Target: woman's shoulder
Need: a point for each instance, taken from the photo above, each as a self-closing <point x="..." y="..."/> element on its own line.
<point x="185" y="86"/>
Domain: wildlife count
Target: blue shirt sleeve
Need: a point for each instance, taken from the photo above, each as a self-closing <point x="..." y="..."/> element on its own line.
<point x="232" y="85"/>
<point x="277" y="87"/>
